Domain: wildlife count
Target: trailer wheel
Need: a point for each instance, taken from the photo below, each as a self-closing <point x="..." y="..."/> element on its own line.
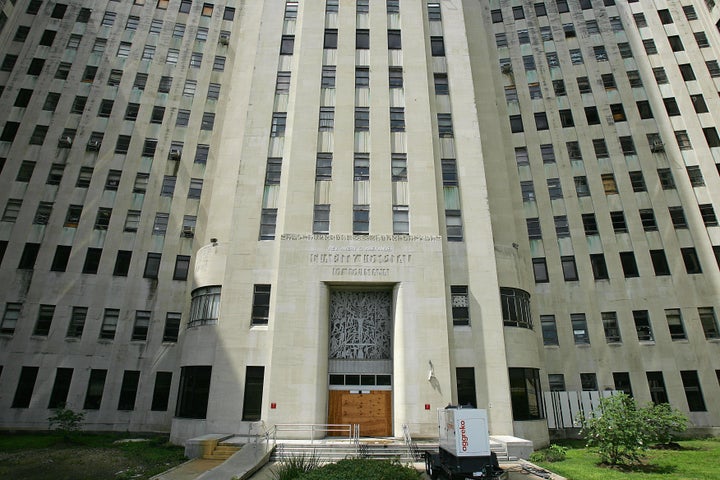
<point x="430" y="467"/>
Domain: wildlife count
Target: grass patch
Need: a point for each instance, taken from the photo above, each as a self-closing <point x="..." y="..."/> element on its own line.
<point x="85" y="456"/>
<point x="362" y="469"/>
<point x="697" y="459"/>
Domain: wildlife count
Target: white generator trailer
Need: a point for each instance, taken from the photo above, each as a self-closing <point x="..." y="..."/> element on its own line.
<point x="464" y="447"/>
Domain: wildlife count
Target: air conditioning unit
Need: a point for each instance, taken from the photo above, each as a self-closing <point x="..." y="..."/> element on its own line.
<point x="188" y="231"/>
<point x="657" y="147"/>
<point x="506" y="68"/>
<point x="224" y="39"/>
<point x="93" y="145"/>
<point x="175" y="154"/>
<point x="65" y="142"/>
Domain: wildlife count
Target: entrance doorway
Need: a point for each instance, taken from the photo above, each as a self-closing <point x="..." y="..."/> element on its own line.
<point x="360" y="360"/>
<point x="371" y="409"/>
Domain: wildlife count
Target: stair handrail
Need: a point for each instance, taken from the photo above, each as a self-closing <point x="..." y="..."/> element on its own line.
<point x="411" y="446"/>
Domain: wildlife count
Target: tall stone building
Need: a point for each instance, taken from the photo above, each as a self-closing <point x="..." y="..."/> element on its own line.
<point x="217" y="217"/>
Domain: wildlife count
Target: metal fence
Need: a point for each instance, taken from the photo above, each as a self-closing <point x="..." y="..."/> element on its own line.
<point x="563" y="408"/>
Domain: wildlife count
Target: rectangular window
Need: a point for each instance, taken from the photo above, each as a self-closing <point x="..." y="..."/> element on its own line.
<point x="109" y="323"/>
<point x="693" y="392"/>
<point x="278" y="124"/>
<point x="141" y="325"/>
<point x="361" y="219"/>
<point x="25" y="387"/>
<point x="94" y="393"/>
<point x="161" y="391"/>
<point x="12" y="210"/>
<point x="152" y="265"/>
<point x="453" y="225"/>
<point x="556" y="382"/>
<point x="441" y="84"/>
<point x="709" y="322"/>
<point x="399" y="167"/>
<point x="599" y="267"/>
<point x="361" y="167"/>
<point x="29" y="255"/>
<point x="128" y="390"/>
<point x="611" y="327"/>
<point x="589" y="224"/>
<point x="323" y="166"/>
<point x="252" y="397"/>
<point x="629" y="265"/>
<point x="77" y="322"/>
<point x="61" y="387"/>
<point x="401" y="220"/>
<point x="643" y="326"/>
<point x="656" y="383"/>
<point x="268" y="222"/>
<point x="61" y="258"/>
<point x="675" y="324"/>
<point x="321" y="219"/>
<point x="397" y="119"/>
<point x="460" y="304"/>
<point x="678" y="217"/>
<point x="465" y="377"/>
<point x="182" y="267"/>
<point x="549" y="330"/>
<point x="10" y="318"/>
<point x="362" y="119"/>
<point x="172" y="327"/>
<point x="261" y="304"/>
<point x="569" y="268"/>
<point x="44" y="320"/>
<point x="579" y="329"/>
<point x="540" y="270"/>
<point x="437" y="46"/>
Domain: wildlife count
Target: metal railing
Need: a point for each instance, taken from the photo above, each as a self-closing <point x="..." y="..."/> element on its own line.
<point x="412" y="447"/>
<point x="352" y="431"/>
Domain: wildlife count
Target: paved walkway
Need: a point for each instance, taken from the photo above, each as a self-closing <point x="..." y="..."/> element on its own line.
<point x="189" y="470"/>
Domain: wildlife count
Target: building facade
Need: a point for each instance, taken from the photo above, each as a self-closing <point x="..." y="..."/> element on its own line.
<point x="219" y="217"/>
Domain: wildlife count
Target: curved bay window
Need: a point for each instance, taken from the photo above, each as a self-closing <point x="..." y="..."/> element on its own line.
<point x="526" y="394"/>
<point x="205" y="306"/>
<point x="515" y="307"/>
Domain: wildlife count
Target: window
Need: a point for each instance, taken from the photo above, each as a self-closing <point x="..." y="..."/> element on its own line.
<point x="600" y="53"/>
<point x="394" y="40"/>
<point x="589" y="223"/>
<point x="701" y="39"/>
<point x="60" y="259"/>
<point x="699" y="104"/>
<point x="172" y="57"/>
<point x="160" y="224"/>
<point x="77" y="322"/>
<point x="323" y="167"/>
<point x="496" y="16"/>
<point x="42" y="214"/>
<point x="321" y="219"/>
<point x="109" y="323"/>
<point x="172" y="327"/>
<point x="208" y="121"/>
<point x="647" y="217"/>
<point x="29" y="255"/>
<point x="666" y="179"/>
<point x="711" y="137"/>
<point x="128" y="390"/>
<point x="102" y="220"/>
<point x="183" y="118"/>
<point x="61" y="387"/>
<point x="709" y="322"/>
<point x="362" y="119"/>
<point x="556" y="382"/>
<point x="252" y="398"/>
<point x="516" y="124"/>
<point x="278" y="124"/>
<point x="656" y="383"/>
<point x="592" y="116"/>
<point x="12" y="210"/>
<point x="515" y="307"/>
<point x="554" y="188"/>
<point x="629" y="266"/>
<point x="617" y="219"/>
<point x="268" y="221"/>
<point x="362" y="77"/>
<point x="677" y="215"/>
<point x="261" y="305"/>
<point x="579" y="328"/>
<point x="642" y="325"/>
<point x="96" y="385"/>
<point x="650" y="47"/>
<point x="541" y="121"/>
<point x="10" y="318"/>
<point x="549" y="330"/>
<point x="8" y="63"/>
<point x="600" y="148"/>
<point x="401" y="220"/>
<point x="609" y="185"/>
<point x="161" y="391"/>
<point x="453" y="225"/>
<point x="205" y="306"/>
<point x="51" y="101"/>
<point x="618" y="112"/>
<point x="218" y="63"/>
<point x="525" y="392"/>
<point x="540" y="270"/>
<point x="566" y="119"/>
<point x="437" y="46"/>
<point x="528" y="191"/>
<point x="599" y="268"/>
<point x="193" y="392"/>
<point x="38" y="135"/>
<point x="611" y="327"/>
<point x="361" y="219"/>
<point x="675" y="324"/>
<point x="659" y="262"/>
<point x="518" y="12"/>
<point x="201" y="154"/>
<point x="361" y="166"/>
<point x="693" y="393"/>
<point x="460" y="304"/>
<point x="660" y="75"/>
<point x="533" y="228"/>
<point x="202" y="34"/>
<point x="465" y="377"/>
<point x="540" y="9"/>
<point x="140" y="81"/>
<point x="397" y="119"/>
<point x="152" y="265"/>
<point x="207" y="9"/>
<point x="687" y="72"/>
<point x="327" y="119"/>
<point x="182" y="267"/>
<point x="644" y="109"/>
<point x="559" y="88"/>
<point x="141" y="325"/>
<point x="588" y="382"/>
<point x="569" y="268"/>
<point x="501" y="40"/>
<point x="25" y="387"/>
<point x="576" y="57"/>
<point x="213" y="91"/>
<point x="675" y="43"/>
<point x="327" y="81"/>
<point x="634" y="78"/>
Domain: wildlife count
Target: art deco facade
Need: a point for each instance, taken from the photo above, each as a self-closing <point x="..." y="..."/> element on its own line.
<point x="221" y="217"/>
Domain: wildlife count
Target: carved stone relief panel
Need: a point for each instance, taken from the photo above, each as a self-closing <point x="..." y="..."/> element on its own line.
<point x="360" y="325"/>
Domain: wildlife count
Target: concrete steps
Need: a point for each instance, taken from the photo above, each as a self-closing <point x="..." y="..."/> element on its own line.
<point x="222" y="452"/>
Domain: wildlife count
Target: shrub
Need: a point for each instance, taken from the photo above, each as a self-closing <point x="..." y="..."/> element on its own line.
<point x="295" y="466"/>
<point x="554" y="453"/>
<point x="362" y="469"/>
<point x="621" y="431"/>
<point x="66" y="421"/>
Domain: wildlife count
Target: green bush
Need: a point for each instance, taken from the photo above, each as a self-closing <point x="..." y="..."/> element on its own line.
<point x="66" y="421"/>
<point x="554" y="453"/>
<point x="295" y="466"/>
<point x="362" y="469"/>
<point x="621" y="431"/>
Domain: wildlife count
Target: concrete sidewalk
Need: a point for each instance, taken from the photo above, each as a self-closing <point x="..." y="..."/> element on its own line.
<point x="242" y="465"/>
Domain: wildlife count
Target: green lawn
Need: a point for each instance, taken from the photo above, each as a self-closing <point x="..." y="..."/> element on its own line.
<point x="698" y="459"/>
<point x="87" y="456"/>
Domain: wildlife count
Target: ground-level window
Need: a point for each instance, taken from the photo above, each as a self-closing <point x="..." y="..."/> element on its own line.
<point x="526" y="394"/>
<point x="194" y="392"/>
<point x="252" y="399"/>
<point x="466" y="386"/>
<point x="161" y="392"/>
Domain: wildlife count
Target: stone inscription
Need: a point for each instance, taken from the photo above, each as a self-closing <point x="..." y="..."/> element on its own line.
<point x="364" y="238"/>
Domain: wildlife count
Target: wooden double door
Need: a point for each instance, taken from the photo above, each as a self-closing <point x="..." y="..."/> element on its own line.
<point x="372" y="410"/>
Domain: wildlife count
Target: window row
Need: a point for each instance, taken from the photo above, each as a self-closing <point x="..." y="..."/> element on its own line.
<point x="642" y="325"/>
<point x="126" y="400"/>
<point x="91" y="263"/>
<point x="78" y="319"/>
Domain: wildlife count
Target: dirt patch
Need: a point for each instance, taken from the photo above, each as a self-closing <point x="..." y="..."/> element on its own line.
<point x="71" y="463"/>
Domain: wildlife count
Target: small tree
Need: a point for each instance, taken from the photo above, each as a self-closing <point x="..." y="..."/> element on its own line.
<point x="66" y="421"/>
<point x="621" y="431"/>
